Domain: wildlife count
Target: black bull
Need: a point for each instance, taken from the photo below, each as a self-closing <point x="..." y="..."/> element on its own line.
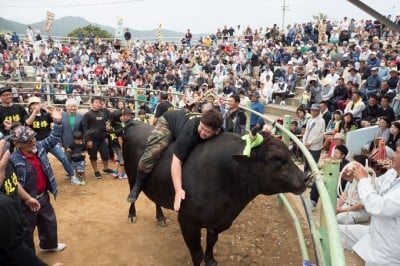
<point x="219" y="182"/>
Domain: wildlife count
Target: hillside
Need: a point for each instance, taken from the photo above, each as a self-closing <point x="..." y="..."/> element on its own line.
<point x="65" y="25"/>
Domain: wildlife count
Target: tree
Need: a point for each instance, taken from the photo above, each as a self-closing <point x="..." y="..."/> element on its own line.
<point x="98" y="32"/>
<point x="320" y="17"/>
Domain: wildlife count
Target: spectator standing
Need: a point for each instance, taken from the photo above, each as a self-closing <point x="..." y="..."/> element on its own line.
<point x="94" y="131"/>
<point x="163" y="106"/>
<point x="188" y="38"/>
<point x="14" y="250"/>
<point x="255" y="120"/>
<point x="36" y="179"/>
<point x="235" y="118"/>
<point x="71" y="122"/>
<point x="40" y="121"/>
<point x="77" y="151"/>
<point x="313" y="139"/>
<point x="9" y="111"/>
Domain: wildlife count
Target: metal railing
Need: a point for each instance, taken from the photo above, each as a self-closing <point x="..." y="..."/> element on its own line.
<point x="326" y="239"/>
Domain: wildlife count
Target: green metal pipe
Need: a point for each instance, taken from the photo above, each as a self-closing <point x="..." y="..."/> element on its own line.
<point x="300" y="236"/>
<point x="335" y="245"/>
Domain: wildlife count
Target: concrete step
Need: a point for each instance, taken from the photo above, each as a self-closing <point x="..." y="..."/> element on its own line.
<point x="278" y="110"/>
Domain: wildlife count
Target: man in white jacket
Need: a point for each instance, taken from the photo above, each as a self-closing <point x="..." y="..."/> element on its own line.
<point x="313" y="139"/>
<point x="379" y="242"/>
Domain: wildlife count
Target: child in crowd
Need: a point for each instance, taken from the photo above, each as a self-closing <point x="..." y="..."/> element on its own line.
<point x="116" y="134"/>
<point x="77" y="153"/>
<point x="296" y="152"/>
<point x="127" y="115"/>
<point x="142" y="117"/>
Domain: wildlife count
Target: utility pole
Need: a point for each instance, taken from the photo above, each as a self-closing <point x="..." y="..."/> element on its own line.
<point x="284" y="9"/>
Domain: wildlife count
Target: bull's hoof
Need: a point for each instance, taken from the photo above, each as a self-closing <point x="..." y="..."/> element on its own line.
<point x="211" y="262"/>
<point x="132" y="219"/>
<point x="164" y="222"/>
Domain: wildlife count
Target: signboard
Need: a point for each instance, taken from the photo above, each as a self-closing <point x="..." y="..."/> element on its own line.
<point x="49" y="21"/>
<point x="119" y="29"/>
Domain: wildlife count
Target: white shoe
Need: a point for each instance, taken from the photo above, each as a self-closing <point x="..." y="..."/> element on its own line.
<point x="60" y="247"/>
<point x="75" y="181"/>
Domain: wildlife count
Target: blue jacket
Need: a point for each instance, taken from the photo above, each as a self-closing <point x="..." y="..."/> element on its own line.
<point x="67" y="132"/>
<point x="26" y="174"/>
<point x="255" y="119"/>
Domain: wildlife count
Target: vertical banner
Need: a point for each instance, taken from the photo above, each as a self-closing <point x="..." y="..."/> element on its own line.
<point x="49" y="21"/>
<point x="119" y="29"/>
<point x="159" y="36"/>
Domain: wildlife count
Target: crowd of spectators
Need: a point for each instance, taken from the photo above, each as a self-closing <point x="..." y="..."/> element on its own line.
<point x="349" y="71"/>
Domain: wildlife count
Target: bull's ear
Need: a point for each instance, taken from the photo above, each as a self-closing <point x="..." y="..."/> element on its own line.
<point x="240" y="158"/>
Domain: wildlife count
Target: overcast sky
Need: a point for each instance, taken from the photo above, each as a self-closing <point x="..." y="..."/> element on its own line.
<point x="200" y="15"/>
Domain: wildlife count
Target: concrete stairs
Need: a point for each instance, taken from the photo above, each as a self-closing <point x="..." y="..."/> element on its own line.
<point x="291" y="104"/>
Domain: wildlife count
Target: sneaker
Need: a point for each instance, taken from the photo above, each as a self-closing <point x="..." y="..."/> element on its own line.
<point x="108" y="171"/>
<point x="122" y="176"/>
<point x="60" y="247"/>
<point x="75" y="181"/>
<point x="83" y="183"/>
<point x="97" y="175"/>
<point x="115" y="173"/>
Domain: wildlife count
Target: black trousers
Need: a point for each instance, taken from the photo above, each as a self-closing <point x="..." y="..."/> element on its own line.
<point x="314" y="195"/>
<point x="45" y="221"/>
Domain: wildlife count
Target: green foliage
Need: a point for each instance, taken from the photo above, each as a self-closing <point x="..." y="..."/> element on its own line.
<point x="98" y="32"/>
<point x="320" y="17"/>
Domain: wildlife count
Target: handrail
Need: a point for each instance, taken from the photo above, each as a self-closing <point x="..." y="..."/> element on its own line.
<point x="335" y="246"/>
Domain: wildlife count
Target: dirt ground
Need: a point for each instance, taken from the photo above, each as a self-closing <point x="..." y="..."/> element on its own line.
<point x="92" y="222"/>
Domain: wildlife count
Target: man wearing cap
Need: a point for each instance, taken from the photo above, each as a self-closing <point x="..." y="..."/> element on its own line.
<point x="36" y="179"/>
<point x="256" y="121"/>
<point x="40" y="121"/>
<point x="372" y="84"/>
<point x="10" y="112"/>
<point x="373" y="61"/>
<point x="313" y="139"/>
<point x="394" y="78"/>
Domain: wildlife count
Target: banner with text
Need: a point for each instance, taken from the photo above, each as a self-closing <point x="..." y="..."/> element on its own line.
<point x="49" y="21"/>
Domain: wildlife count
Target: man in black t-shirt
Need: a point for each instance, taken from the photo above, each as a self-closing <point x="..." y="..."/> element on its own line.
<point x="187" y="129"/>
<point x="10" y="112"/>
<point x="163" y="106"/>
<point x="94" y="131"/>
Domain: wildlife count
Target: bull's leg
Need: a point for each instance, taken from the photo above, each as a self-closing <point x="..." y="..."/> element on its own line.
<point x="132" y="214"/>
<point x="161" y="219"/>
<point x="212" y="238"/>
<point x="192" y="234"/>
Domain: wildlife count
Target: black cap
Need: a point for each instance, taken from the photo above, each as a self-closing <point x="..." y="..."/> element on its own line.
<point x="4" y="89"/>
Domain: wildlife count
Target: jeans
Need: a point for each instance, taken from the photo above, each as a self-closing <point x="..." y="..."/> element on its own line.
<point x="58" y="152"/>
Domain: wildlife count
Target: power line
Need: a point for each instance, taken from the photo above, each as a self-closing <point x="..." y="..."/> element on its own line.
<point x="75" y="5"/>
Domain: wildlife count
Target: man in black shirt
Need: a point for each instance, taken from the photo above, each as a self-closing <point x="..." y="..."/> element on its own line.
<point x="10" y="112"/>
<point x="163" y="106"/>
<point x="187" y="129"/>
<point x="94" y="130"/>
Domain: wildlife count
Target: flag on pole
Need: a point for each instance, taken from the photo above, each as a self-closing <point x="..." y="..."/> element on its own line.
<point x="159" y="35"/>
<point x="49" y="21"/>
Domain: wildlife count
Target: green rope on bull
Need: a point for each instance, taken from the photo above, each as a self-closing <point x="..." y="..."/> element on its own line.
<point x="251" y="142"/>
